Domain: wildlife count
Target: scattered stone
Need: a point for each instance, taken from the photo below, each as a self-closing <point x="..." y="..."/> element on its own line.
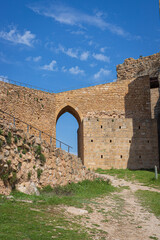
<point x="76" y="211"/>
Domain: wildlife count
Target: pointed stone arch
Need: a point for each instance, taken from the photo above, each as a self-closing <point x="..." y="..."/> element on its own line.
<point x="70" y="108"/>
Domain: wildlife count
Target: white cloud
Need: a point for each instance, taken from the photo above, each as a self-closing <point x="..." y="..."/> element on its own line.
<point x="70" y="16"/>
<point x="3" y="78"/>
<point x="79" y="32"/>
<point x="102" y="72"/>
<point x="102" y="49"/>
<point x="84" y="56"/>
<point x="51" y="66"/>
<point x="34" y="59"/>
<point x="64" y="69"/>
<point x="70" y="51"/>
<point x="76" y="70"/>
<point x="15" y="37"/>
<point x="101" y="57"/>
<point x="93" y="65"/>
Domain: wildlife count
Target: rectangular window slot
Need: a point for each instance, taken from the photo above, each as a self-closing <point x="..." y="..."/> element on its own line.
<point x="139" y="127"/>
<point x="121" y="156"/>
<point x="139" y="156"/>
<point x="129" y="141"/>
<point x="91" y="140"/>
<point x="101" y="126"/>
<point x="119" y="127"/>
<point x="101" y="156"/>
<point x="110" y="141"/>
<point x="154" y="83"/>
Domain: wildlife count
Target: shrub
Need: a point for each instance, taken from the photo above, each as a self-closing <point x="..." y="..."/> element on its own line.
<point x="1" y="132"/>
<point x="19" y="149"/>
<point x="13" y="180"/>
<point x="1" y="144"/>
<point x="9" y="163"/>
<point x="38" y="150"/>
<point x="20" y="155"/>
<point x="8" y="138"/>
<point x="39" y="172"/>
<point x="15" y="139"/>
<point x="42" y="158"/>
<point x="24" y="140"/>
<point x="29" y="175"/>
<point x="24" y="151"/>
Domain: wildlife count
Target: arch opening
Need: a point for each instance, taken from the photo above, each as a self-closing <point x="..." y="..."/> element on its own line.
<point x="69" y="128"/>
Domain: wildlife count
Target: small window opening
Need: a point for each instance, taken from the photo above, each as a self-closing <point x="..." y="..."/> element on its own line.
<point x="91" y="140"/>
<point x="129" y="141"/>
<point x="139" y="156"/>
<point x="154" y="83"/>
<point x="101" y="126"/>
<point x="97" y="120"/>
<point x="148" y="141"/>
<point x="119" y="127"/>
<point x="139" y="127"/>
<point x="101" y="156"/>
<point x="110" y="140"/>
<point x="121" y="156"/>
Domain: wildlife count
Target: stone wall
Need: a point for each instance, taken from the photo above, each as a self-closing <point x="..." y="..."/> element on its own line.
<point x="25" y="159"/>
<point x="122" y="100"/>
<point x="133" y="68"/>
<point x="120" y="143"/>
<point x="32" y="106"/>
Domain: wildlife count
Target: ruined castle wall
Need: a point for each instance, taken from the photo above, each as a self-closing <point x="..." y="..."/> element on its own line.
<point x="133" y="68"/>
<point x="114" y="100"/>
<point x="120" y="143"/>
<point x="32" y="106"/>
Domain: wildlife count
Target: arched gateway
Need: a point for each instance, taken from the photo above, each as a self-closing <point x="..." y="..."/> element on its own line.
<point x="78" y="116"/>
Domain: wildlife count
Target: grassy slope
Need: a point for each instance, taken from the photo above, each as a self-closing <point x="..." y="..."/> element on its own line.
<point x="41" y="219"/>
<point x="143" y="176"/>
<point x="150" y="200"/>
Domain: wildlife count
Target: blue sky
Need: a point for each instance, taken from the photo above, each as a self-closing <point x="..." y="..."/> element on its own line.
<point x="64" y="45"/>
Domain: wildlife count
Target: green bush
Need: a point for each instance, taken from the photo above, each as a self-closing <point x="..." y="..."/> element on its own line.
<point x="8" y="138"/>
<point x="1" y="132"/>
<point x="39" y="172"/>
<point x="29" y="175"/>
<point x="15" y="139"/>
<point x="9" y="163"/>
<point x="42" y="158"/>
<point x="24" y="151"/>
<point x="1" y="143"/>
<point x="38" y="150"/>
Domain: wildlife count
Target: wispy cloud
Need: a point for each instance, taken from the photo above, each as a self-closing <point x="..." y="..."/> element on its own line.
<point x="84" y="56"/>
<point x="27" y="38"/>
<point x="76" y="70"/>
<point x="51" y="66"/>
<point x="34" y="59"/>
<point x="78" y="32"/>
<point x="71" y="16"/>
<point x="102" y="72"/>
<point x="70" y="51"/>
<point x="3" y="78"/>
<point x="103" y="49"/>
<point x="101" y="57"/>
<point x="64" y="69"/>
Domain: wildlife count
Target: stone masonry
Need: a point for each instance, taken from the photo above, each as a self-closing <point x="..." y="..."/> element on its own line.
<point x="25" y="159"/>
<point x="117" y="121"/>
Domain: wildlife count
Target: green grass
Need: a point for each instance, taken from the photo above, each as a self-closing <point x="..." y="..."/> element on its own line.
<point x="146" y="177"/>
<point x="74" y="194"/>
<point x="150" y="200"/>
<point x="43" y="219"/>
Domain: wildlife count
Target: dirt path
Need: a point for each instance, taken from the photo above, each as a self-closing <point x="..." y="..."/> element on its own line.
<point x="116" y="182"/>
<point x="120" y="216"/>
